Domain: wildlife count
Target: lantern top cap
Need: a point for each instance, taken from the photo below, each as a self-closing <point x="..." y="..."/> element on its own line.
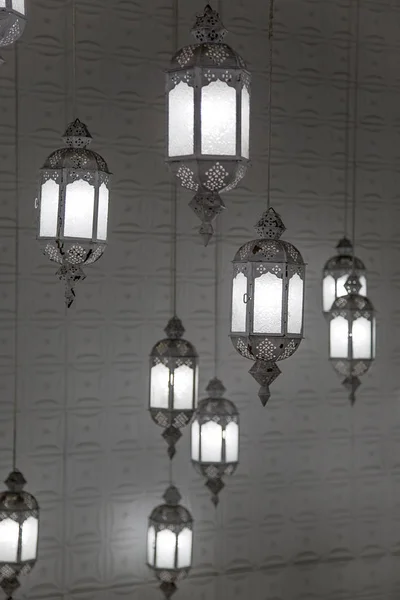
<point x="270" y="225"/>
<point x="215" y="388"/>
<point x="15" y="481"/>
<point x="353" y="285"/>
<point x="174" y="328"/>
<point x="344" y="246"/>
<point x="172" y="496"/>
<point x="77" y="135"/>
<point x="208" y="27"/>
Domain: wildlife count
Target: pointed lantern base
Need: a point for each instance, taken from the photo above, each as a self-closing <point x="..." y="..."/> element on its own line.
<point x="265" y="373"/>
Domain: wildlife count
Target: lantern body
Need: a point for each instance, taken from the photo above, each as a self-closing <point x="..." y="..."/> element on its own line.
<point x="12" y="21"/>
<point x="170" y="541"/>
<point x="19" y="528"/>
<point x="352" y="336"/>
<point x="336" y="271"/>
<point x="267" y="308"/>
<point x="173" y="382"/>
<point x="208" y="111"/>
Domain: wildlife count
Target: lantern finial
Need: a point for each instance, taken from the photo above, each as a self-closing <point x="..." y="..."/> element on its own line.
<point x="351" y="384"/>
<point x="270" y="225"/>
<point x="77" y="135"/>
<point x="352" y="285"/>
<point x="15" y="481"/>
<point x="344" y="246"/>
<point x="171" y="435"/>
<point x="207" y="206"/>
<point x="168" y="588"/>
<point x="215" y="486"/>
<point x="216" y="388"/>
<point x="9" y="585"/>
<point x="172" y="496"/>
<point x="208" y="27"/>
<point x="265" y="373"/>
<point x="174" y="329"/>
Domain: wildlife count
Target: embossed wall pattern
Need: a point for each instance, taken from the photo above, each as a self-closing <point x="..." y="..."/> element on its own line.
<point x="313" y="510"/>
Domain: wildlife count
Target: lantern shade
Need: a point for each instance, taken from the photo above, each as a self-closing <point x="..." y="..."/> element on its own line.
<point x="170" y="541"/>
<point x="215" y="438"/>
<point x="352" y="335"/>
<point x="267" y="308"/>
<point x="19" y="529"/>
<point x="173" y="383"/>
<point x="12" y="21"/>
<point x="336" y="271"/>
<point x="73" y="200"/>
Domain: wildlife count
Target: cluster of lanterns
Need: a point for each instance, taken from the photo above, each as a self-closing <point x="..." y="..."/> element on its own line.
<point x="208" y="124"/>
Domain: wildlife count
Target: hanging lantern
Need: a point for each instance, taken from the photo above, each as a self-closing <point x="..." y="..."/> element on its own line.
<point x="73" y="206"/>
<point x="267" y="310"/>
<point x="336" y="271"/>
<point x="208" y="112"/>
<point x="215" y="438"/>
<point x="352" y="335"/>
<point x="170" y="542"/>
<point x="19" y="527"/>
<point x="12" y="21"/>
<point x="173" y="383"/>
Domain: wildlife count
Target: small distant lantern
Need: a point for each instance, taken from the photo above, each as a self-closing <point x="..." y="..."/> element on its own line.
<point x="19" y="528"/>
<point x="12" y="21"/>
<point x="73" y="206"/>
<point x="336" y="271"/>
<point x="267" y="301"/>
<point x="208" y="111"/>
<point x="352" y="335"/>
<point x="170" y="542"/>
<point x="173" y="383"/>
<point x="215" y="438"/>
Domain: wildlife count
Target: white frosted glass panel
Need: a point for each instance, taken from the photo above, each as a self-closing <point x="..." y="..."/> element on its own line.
<point x="245" y="122"/>
<point x="49" y="208"/>
<point x="239" y="289"/>
<point x="151" y="543"/>
<point x="328" y="292"/>
<point x="295" y="304"/>
<point x="195" y="440"/>
<point x="183" y="387"/>
<point x="102" y="218"/>
<point x="361" y="338"/>
<point x="79" y="205"/>
<point x="29" y="539"/>
<point x="2" y="3"/>
<point x="232" y="442"/>
<point x="363" y="282"/>
<point x="339" y="338"/>
<point x="373" y="338"/>
<point x="9" y="531"/>
<point x="267" y="304"/>
<point x="181" y="120"/>
<point x="211" y="442"/>
<point x="185" y="548"/>
<point x="166" y="543"/>
<point x="159" y="386"/>
<point x="218" y="119"/>
<point x="19" y="6"/>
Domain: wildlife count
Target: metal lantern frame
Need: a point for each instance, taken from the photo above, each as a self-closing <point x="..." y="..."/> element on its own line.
<point x="64" y="166"/>
<point x="12" y="22"/>
<point x="17" y="505"/>
<point x="269" y="254"/>
<point x="175" y="518"/>
<point x="222" y="411"/>
<point x="351" y="307"/>
<point x="341" y="265"/>
<point x="173" y="352"/>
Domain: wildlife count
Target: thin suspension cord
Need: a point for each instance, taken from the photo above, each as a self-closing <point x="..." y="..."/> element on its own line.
<point x="16" y="327"/>
<point x="355" y="128"/>
<point x="74" y="115"/>
<point x="270" y="38"/>
<point x="347" y="125"/>
<point x="216" y="302"/>
<point x="174" y="244"/>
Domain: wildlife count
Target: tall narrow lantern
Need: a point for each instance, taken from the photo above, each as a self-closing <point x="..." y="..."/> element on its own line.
<point x="336" y="272"/>
<point x="215" y="438"/>
<point x="170" y="542"/>
<point x="12" y="21"/>
<point x="208" y="117"/>
<point x="173" y="383"/>
<point x="72" y="202"/>
<point x="19" y="527"/>
<point x="267" y="309"/>
<point x="352" y="335"/>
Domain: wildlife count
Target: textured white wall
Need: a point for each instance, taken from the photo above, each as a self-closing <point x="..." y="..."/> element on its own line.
<point x="313" y="512"/>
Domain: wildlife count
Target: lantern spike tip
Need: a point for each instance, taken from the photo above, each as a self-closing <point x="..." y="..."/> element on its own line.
<point x="264" y="394"/>
<point x="171" y="435"/>
<point x="215" y="486"/>
<point x="208" y="27"/>
<point x="168" y="588"/>
<point x="265" y="373"/>
<point x="206" y="232"/>
<point x="270" y="225"/>
<point x="9" y="585"/>
<point x="352" y="383"/>
<point x="70" y="274"/>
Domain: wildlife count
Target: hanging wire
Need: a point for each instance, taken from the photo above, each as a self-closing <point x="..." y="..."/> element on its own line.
<point x="270" y="60"/>
<point x="355" y="128"/>
<point x="347" y="125"/>
<point x="216" y="302"/>
<point x="74" y="59"/>
<point x="174" y="190"/>
<point x="16" y="299"/>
